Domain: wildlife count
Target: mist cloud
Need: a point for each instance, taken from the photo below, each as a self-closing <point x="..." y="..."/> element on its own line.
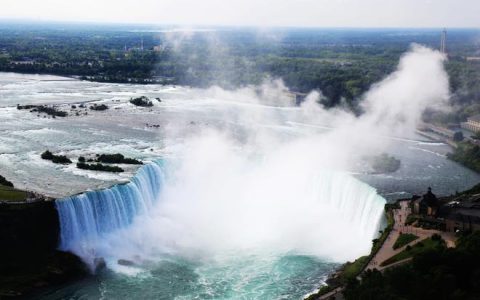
<point x="256" y="173"/>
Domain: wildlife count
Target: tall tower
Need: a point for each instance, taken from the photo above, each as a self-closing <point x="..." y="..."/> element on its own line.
<point x="141" y="45"/>
<point x="443" y="42"/>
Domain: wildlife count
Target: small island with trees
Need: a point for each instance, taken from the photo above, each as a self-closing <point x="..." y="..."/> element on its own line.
<point x="58" y="159"/>
<point x="118" y="159"/>
<point x="102" y="162"/>
<point x="142" y="101"/>
<point x="49" y="110"/>
<point x="384" y="163"/>
<point x="99" y="167"/>
<point x="99" y="107"/>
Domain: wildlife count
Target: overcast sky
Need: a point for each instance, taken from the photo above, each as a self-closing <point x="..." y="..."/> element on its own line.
<point x="310" y="13"/>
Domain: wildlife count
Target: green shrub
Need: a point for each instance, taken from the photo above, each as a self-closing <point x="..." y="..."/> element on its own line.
<point x="384" y="163"/>
<point x="47" y="155"/>
<point x="99" y="107"/>
<point x="436" y="272"/>
<point x="58" y="159"/>
<point x="99" y="167"/>
<point x="5" y="182"/>
<point x="141" y="101"/>
<point x="404" y="239"/>
<point x="117" y="159"/>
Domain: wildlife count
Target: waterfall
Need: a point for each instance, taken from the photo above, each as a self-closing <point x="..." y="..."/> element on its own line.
<point x="87" y="218"/>
<point x="353" y="202"/>
<point x="325" y="213"/>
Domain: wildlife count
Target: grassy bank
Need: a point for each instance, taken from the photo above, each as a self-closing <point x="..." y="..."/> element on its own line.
<point x="404" y="239"/>
<point x="436" y="272"/>
<point x="421" y="247"/>
<point x="467" y="154"/>
<point x="351" y="270"/>
<point x="11" y="194"/>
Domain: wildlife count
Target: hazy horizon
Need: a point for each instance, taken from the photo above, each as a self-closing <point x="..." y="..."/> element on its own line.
<point x="248" y="13"/>
<point x="200" y="27"/>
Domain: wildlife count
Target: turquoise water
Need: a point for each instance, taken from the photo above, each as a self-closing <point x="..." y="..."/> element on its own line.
<point x="250" y="260"/>
<point x="296" y="222"/>
<point x="265" y="277"/>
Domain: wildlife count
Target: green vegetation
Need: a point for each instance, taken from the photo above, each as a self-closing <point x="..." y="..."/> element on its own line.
<point x="141" y="101"/>
<point x="384" y="163"/>
<point x="361" y="263"/>
<point x="351" y="270"/>
<point x="322" y="291"/>
<point x="341" y="63"/>
<point x="354" y="269"/>
<point x="404" y="239"/>
<point x="377" y="243"/>
<point x="411" y="218"/>
<point x="428" y="223"/>
<point x="474" y="190"/>
<point x="99" y="167"/>
<point x="5" y="182"/>
<point x="436" y="272"/>
<point x="467" y="154"/>
<point x="420" y="247"/>
<point x="393" y="205"/>
<point x="8" y="193"/>
<point x="49" y="110"/>
<point x="117" y="159"/>
<point x="58" y="159"/>
<point x="100" y="107"/>
<point x="458" y="136"/>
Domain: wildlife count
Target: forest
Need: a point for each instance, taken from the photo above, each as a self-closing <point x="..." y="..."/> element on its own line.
<point x="438" y="273"/>
<point x="342" y="63"/>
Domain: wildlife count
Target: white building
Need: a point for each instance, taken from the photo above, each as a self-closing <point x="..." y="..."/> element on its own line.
<point x="472" y="124"/>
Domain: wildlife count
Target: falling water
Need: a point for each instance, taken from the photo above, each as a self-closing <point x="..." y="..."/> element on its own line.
<point x="344" y="213"/>
<point x="89" y="217"/>
<point x="332" y="218"/>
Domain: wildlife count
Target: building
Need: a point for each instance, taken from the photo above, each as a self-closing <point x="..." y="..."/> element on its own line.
<point x="463" y="219"/>
<point x="443" y="42"/>
<point x="472" y="124"/>
<point x="427" y="205"/>
<point x="159" y="48"/>
<point x="297" y="97"/>
<point x="462" y="215"/>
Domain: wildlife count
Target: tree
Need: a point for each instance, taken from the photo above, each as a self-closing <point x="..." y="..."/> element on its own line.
<point x="458" y="136"/>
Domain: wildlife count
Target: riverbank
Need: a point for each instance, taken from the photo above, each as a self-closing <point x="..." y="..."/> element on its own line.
<point x="351" y="270"/>
<point x="29" y="259"/>
<point x="29" y="274"/>
<point x="385" y="253"/>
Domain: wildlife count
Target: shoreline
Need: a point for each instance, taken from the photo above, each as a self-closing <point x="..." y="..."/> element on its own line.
<point x="29" y="258"/>
<point x="385" y="254"/>
<point x="79" y="77"/>
<point x="335" y="281"/>
<point x="23" y="273"/>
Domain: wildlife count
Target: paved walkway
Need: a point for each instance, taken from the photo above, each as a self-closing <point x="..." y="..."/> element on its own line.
<point x="400" y="216"/>
<point x="387" y="251"/>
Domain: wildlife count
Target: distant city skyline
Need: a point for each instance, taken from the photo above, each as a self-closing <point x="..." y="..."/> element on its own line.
<point x="267" y="13"/>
